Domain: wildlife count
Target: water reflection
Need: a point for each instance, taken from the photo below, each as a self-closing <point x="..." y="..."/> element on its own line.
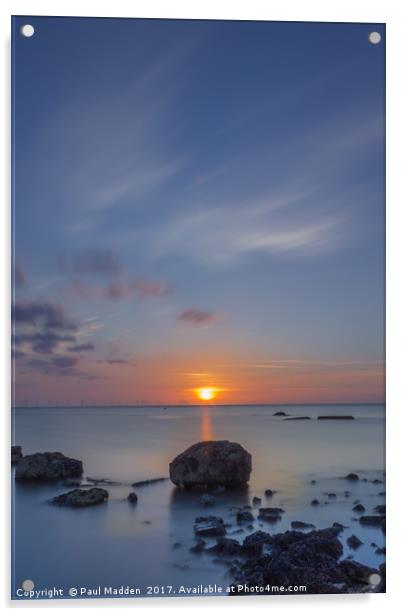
<point x="206" y="426"/>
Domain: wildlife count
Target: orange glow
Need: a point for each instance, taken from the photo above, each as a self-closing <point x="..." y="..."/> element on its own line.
<point x="206" y="393"/>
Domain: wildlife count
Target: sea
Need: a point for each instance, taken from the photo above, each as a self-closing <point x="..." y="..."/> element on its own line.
<point x="146" y="547"/>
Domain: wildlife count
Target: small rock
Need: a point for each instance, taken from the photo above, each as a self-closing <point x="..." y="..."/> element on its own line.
<point x="354" y="542"/>
<point x="72" y="483"/>
<point x="377" y="481"/>
<point x="176" y="545"/>
<point x="132" y="498"/>
<point x="207" y="500"/>
<point x="279" y="414"/>
<point x="298" y="524"/>
<point x="270" y="514"/>
<point x="372" y="520"/>
<point x="313" y="482"/>
<point x="269" y="493"/>
<point x="81" y="498"/>
<point x="16" y="453"/>
<point x="210" y="526"/>
<point x="338" y="526"/>
<point x="380" y="509"/>
<point x="331" y="495"/>
<point x="380" y="551"/>
<point x="359" y="508"/>
<point x="244" y="516"/>
<point x="381" y="493"/>
<point x="147" y="482"/>
<point x="352" y="477"/>
<point x="346" y="494"/>
<point x="315" y="502"/>
<point x="225" y="546"/>
<point x="256" y="501"/>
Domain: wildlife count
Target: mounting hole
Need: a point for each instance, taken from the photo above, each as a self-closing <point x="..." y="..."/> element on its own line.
<point x="374" y="38"/>
<point x="374" y="579"/>
<point x="27" y="30"/>
<point x="28" y="585"/>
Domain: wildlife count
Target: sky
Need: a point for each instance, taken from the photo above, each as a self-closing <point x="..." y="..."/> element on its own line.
<point x="197" y="204"/>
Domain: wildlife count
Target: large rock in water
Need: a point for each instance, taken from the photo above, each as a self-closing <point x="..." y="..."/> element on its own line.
<point x="16" y="453"/>
<point x="47" y="467"/>
<point x="211" y="463"/>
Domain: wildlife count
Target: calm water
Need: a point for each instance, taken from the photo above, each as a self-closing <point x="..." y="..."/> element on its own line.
<point x="118" y="544"/>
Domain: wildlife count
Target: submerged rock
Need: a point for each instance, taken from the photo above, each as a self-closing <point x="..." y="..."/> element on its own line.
<point x="16" y="454"/>
<point x="315" y="502"/>
<point x="332" y="417"/>
<point x="81" y="498"/>
<point x="244" y="516"/>
<point x="269" y="493"/>
<point x="299" y="524"/>
<point x="279" y="414"/>
<point x="354" y="542"/>
<point x="211" y="463"/>
<point x="270" y="514"/>
<point x="147" y="482"/>
<point x="210" y="526"/>
<point x="372" y="520"/>
<point x="132" y="498"/>
<point x="352" y="477"/>
<point x="199" y="546"/>
<point x="380" y="509"/>
<point x="256" y="501"/>
<point x="47" y="467"/>
<point x="359" y="508"/>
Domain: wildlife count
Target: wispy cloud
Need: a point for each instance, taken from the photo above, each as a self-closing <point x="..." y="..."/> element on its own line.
<point x="198" y="317"/>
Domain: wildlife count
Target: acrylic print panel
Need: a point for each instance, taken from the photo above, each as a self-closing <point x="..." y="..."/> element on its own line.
<point x="198" y="308"/>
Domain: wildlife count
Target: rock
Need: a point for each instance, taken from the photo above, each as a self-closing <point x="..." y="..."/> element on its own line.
<point x="81" y="498"/>
<point x="176" y="545"/>
<point x="256" y="501"/>
<point x="226" y="547"/>
<point x="354" y="542"/>
<point x="210" y="526"/>
<point x="359" y="508"/>
<point x="313" y="482"/>
<point x="132" y="498"/>
<point x="254" y="543"/>
<point x="331" y="494"/>
<point x="47" y="467"/>
<point x="270" y="514"/>
<point x="346" y="494"/>
<point x="207" y="500"/>
<point x="269" y="493"/>
<point x="381" y="493"/>
<point x="377" y="481"/>
<point x="372" y="520"/>
<point x="16" y="454"/>
<point x="147" y="482"/>
<point x="380" y="551"/>
<point x="295" y="418"/>
<point x="244" y="516"/>
<point x="380" y="509"/>
<point x="355" y="573"/>
<point x="332" y="417"/>
<point x="339" y="527"/>
<point x="298" y="524"/>
<point x="352" y="477"/>
<point x="279" y="414"/>
<point x="315" y="502"/>
<point x="211" y="463"/>
<point x="198" y="547"/>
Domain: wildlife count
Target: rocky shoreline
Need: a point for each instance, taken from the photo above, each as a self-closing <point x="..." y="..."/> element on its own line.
<point x="300" y="556"/>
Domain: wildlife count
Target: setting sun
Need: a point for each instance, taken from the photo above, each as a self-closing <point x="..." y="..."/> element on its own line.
<point x="206" y="393"/>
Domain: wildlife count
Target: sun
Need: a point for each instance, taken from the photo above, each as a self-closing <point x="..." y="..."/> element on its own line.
<point x="206" y="393"/>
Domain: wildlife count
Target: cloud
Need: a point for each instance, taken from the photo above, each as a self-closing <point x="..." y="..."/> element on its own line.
<point x="113" y="361"/>
<point x="198" y="317"/>
<point x="43" y="314"/>
<point x="44" y="343"/>
<point x="59" y="366"/>
<point x="121" y="289"/>
<point x="78" y="348"/>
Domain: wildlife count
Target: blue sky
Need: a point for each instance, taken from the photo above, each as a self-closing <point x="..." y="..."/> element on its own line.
<point x="198" y="204"/>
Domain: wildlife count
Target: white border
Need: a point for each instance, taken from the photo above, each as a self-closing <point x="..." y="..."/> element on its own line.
<point x="287" y="10"/>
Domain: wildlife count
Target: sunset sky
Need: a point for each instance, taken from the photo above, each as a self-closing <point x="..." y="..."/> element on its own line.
<point x="198" y="204"/>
